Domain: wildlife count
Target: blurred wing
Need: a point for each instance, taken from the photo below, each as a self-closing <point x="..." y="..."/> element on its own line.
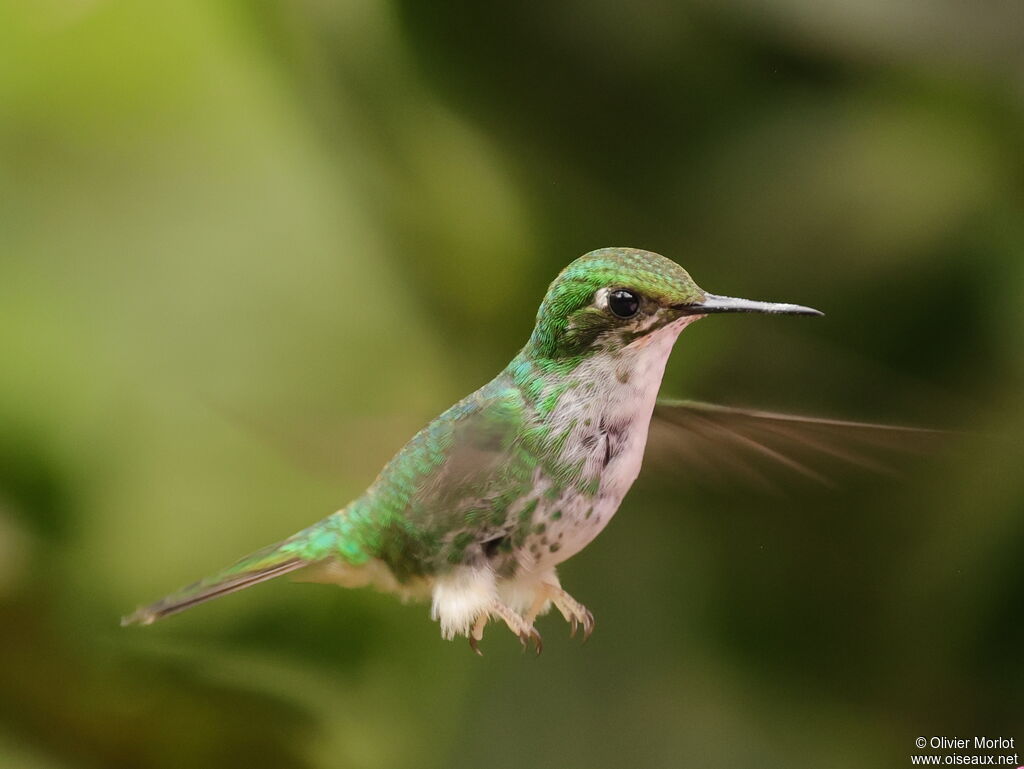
<point x="722" y="445"/>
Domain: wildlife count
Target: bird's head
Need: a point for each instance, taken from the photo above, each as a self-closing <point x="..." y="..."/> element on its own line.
<point x="614" y="297"/>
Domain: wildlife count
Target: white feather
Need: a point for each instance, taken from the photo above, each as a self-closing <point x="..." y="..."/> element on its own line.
<point x="461" y="596"/>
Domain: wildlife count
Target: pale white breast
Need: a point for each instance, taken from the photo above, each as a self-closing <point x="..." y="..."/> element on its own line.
<point x="610" y="415"/>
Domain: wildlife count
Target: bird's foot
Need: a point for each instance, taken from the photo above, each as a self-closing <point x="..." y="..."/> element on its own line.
<point x="525" y="630"/>
<point x="575" y="613"/>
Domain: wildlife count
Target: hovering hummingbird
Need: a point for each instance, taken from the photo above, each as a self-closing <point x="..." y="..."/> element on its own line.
<point x="481" y="506"/>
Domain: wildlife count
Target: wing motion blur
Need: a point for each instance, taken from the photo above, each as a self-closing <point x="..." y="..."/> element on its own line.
<point x="721" y="445"/>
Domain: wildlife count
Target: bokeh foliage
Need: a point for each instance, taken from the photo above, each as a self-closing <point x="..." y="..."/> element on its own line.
<point x="247" y="248"/>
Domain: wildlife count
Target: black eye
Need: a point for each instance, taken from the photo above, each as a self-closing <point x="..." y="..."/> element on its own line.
<point x="623" y="303"/>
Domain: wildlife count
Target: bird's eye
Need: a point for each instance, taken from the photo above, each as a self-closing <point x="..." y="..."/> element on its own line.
<point x="623" y="303"/>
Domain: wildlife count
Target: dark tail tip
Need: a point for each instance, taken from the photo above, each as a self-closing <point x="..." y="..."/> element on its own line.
<point x="207" y="590"/>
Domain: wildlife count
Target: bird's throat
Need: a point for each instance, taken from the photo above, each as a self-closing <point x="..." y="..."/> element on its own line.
<point x="607" y="401"/>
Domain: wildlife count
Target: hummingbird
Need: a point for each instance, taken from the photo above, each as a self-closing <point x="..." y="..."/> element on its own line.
<point x="476" y="512"/>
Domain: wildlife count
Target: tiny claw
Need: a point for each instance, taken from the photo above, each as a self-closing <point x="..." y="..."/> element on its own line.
<point x="473" y="645"/>
<point x="531" y="636"/>
<point x="573" y="625"/>
<point x="588" y="626"/>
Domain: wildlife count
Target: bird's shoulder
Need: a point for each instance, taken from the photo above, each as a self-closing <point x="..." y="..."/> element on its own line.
<point x="461" y="451"/>
<point x="451" y="487"/>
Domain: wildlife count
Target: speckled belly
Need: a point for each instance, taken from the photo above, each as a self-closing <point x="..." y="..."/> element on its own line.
<point x="564" y="527"/>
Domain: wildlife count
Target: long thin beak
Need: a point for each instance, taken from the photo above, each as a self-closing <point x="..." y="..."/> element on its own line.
<point x="714" y="303"/>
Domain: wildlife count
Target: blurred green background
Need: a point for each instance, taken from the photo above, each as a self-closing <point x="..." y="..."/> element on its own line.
<point x="248" y="248"/>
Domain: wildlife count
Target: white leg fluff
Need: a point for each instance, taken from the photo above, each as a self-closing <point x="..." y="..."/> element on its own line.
<point x="461" y="597"/>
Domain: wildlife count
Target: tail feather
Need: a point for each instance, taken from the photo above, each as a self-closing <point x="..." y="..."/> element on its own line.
<point x="259" y="567"/>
